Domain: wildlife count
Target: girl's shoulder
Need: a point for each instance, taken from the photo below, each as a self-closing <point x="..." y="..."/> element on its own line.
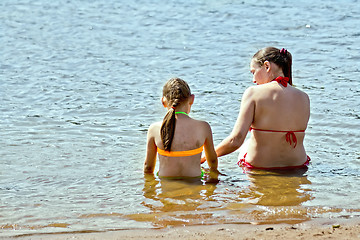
<point x="201" y="124"/>
<point x="155" y="126"/>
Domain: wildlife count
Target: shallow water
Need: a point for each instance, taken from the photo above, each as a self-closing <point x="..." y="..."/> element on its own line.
<point x="81" y="83"/>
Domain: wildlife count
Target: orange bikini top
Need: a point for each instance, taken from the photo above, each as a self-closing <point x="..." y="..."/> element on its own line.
<point x="180" y="153"/>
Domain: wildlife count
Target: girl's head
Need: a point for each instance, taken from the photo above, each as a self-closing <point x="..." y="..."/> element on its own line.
<point x="282" y="58"/>
<point x="175" y="92"/>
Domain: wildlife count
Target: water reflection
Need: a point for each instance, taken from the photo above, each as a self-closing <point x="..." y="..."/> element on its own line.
<point x="275" y="188"/>
<point x="269" y="197"/>
<point x="279" y="196"/>
<point x="175" y="202"/>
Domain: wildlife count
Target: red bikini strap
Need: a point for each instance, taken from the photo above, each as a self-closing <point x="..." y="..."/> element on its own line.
<point x="282" y="80"/>
<point x="290" y="135"/>
<point x="266" y="130"/>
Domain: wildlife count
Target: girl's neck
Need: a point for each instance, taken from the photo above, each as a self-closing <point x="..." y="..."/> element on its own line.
<point x="182" y="110"/>
<point x="184" y="113"/>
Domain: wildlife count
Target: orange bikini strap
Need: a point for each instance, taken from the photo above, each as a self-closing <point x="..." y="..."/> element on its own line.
<point x="180" y="153"/>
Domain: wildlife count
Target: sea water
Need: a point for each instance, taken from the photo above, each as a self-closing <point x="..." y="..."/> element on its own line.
<point x="81" y="82"/>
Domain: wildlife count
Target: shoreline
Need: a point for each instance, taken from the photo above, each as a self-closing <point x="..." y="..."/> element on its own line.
<point x="313" y="229"/>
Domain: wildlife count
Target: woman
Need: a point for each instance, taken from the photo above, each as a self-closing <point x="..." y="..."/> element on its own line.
<point x="276" y="113"/>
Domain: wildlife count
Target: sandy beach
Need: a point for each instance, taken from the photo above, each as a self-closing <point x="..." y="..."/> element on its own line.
<point x="324" y="229"/>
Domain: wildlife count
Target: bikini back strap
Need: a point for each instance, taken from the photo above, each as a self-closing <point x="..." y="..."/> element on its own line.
<point x="290" y="135"/>
<point x="180" y="153"/>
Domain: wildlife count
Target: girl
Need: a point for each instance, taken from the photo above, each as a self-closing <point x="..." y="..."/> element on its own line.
<point x="179" y="140"/>
<point x="276" y="113"/>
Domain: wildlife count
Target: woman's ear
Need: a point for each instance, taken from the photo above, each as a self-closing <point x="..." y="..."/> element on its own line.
<point x="267" y="66"/>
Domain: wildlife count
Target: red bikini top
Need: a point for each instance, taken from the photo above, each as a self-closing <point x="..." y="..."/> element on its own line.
<point x="282" y="80"/>
<point x="290" y="135"/>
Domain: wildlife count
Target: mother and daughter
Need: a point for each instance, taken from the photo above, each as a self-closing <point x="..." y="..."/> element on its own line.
<point x="276" y="113"/>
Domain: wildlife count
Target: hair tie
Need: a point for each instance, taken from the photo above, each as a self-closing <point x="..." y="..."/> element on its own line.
<point x="173" y="108"/>
<point x="283" y="51"/>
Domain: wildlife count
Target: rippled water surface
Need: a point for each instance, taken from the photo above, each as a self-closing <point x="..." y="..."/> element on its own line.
<point x="81" y="82"/>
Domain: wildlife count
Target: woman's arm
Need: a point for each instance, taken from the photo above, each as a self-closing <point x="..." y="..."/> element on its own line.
<point x="151" y="150"/>
<point x="242" y="125"/>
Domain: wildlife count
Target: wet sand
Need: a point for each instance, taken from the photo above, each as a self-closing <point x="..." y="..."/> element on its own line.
<point x="321" y="229"/>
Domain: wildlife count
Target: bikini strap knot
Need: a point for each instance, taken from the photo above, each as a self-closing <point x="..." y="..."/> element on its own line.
<point x="282" y="80"/>
<point x="290" y="135"/>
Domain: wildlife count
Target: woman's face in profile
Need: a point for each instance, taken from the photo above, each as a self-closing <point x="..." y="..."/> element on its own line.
<point x="258" y="72"/>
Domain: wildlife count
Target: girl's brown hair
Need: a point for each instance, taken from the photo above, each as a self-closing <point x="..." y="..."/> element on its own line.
<point x="175" y="91"/>
<point x="282" y="58"/>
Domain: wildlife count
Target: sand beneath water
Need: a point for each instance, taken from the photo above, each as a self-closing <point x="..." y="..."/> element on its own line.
<point x="326" y="229"/>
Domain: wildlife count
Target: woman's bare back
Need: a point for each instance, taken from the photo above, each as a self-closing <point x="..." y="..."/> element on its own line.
<point x="278" y="110"/>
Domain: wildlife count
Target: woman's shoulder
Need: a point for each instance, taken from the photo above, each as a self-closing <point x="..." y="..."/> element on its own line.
<point x="254" y="92"/>
<point x="299" y="92"/>
<point x="258" y="88"/>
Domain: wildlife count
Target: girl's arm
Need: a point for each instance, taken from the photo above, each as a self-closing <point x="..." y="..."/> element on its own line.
<point x="242" y="125"/>
<point x="210" y="153"/>
<point x="151" y="150"/>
